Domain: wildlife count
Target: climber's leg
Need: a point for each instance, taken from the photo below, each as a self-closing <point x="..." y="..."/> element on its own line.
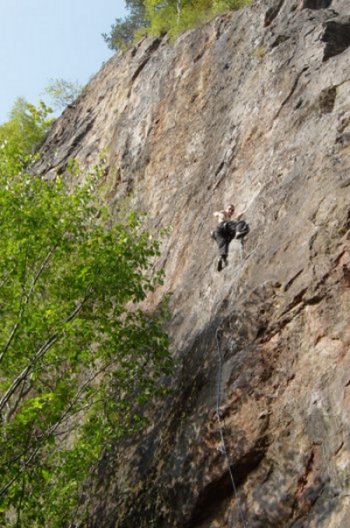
<point x="223" y="245"/>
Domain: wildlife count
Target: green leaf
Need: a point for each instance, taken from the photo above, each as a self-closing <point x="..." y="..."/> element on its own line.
<point x="76" y="356"/>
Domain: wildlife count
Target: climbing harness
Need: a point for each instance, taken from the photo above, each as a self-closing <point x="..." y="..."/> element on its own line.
<point x="222" y="448"/>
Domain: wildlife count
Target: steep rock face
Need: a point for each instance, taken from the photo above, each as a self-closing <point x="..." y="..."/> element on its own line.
<point x="253" y="108"/>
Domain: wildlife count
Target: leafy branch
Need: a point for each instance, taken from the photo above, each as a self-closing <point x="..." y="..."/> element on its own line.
<point x="79" y="356"/>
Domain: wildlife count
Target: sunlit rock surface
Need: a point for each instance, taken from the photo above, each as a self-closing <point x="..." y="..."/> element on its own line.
<point x="252" y="108"/>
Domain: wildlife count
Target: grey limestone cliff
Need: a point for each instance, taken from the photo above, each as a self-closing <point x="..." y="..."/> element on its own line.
<point x="251" y="108"/>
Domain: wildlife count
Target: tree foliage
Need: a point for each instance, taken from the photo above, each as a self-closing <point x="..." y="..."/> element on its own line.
<point x="78" y="356"/>
<point x="21" y="136"/>
<point x="123" y="30"/>
<point x="62" y="92"/>
<point x="157" y="17"/>
<point x="175" y="16"/>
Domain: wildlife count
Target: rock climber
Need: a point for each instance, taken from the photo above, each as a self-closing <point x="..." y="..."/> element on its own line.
<point x="226" y="230"/>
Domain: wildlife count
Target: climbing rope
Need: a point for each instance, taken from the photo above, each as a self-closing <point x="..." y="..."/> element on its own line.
<point x="222" y="448"/>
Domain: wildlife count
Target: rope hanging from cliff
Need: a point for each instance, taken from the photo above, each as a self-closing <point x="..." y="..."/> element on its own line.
<point x="223" y="449"/>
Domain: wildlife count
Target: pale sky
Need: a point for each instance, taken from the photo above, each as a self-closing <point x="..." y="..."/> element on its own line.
<point x="49" y="39"/>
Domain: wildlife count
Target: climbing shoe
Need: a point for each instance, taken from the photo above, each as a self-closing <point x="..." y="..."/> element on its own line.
<point x="212" y="234"/>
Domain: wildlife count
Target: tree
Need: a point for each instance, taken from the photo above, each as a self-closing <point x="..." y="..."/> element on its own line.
<point x="62" y="92"/>
<point x="158" y="17"/>
<point x="21" y="136"/>
<point x="175" y="16"/>
<point x="78" y="355"/>
<point x="124" y="30"/>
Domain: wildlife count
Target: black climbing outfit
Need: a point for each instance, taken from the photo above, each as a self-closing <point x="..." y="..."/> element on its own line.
<point x="223" y="234"/>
